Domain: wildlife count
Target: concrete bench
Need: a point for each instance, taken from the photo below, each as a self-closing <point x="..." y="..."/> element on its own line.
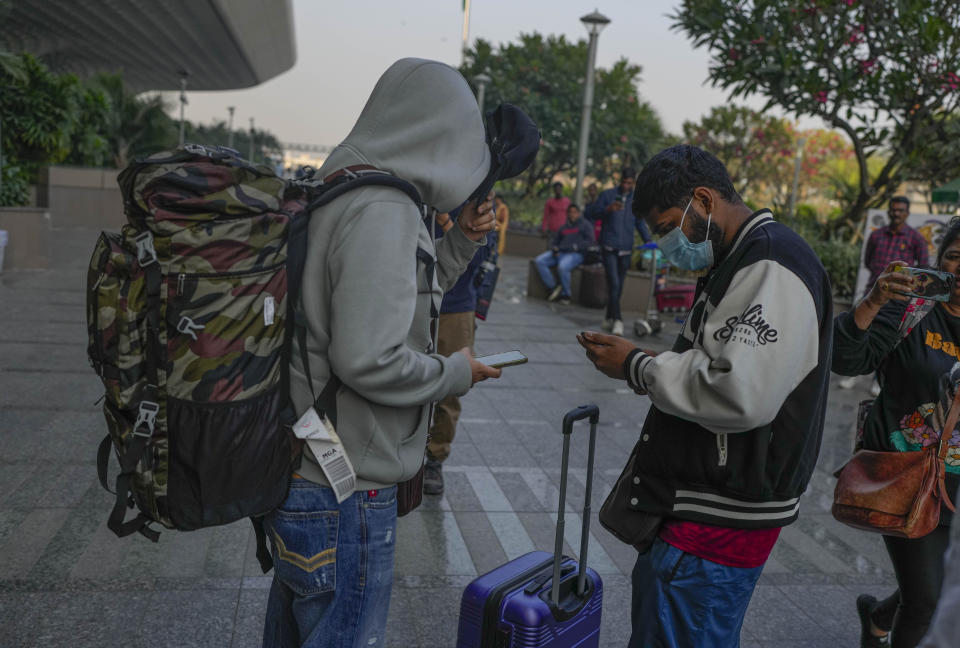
<point x="28" y="238"/>
<point x="636" y="288"/>
<point x="82" y="197"/>
<point x="525" y="244"/>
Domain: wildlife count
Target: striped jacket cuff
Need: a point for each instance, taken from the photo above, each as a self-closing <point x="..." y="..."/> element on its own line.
<point x="633" y="366"/>
<point x="773" y="512"/>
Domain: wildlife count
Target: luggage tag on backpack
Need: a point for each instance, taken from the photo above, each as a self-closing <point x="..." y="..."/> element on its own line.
<point x="328" y="450"/>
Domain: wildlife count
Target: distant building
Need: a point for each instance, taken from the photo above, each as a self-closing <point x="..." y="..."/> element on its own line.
<point x="313" y="155"/>
<point x="220" y="44"/>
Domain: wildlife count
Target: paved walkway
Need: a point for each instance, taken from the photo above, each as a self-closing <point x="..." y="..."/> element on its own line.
<point x="65" y="580"/>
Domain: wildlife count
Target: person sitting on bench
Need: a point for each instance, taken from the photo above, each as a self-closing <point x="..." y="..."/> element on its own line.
<point x="567" y="249"/>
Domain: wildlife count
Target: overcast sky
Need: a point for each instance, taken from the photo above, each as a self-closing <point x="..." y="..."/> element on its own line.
<point x="343" y="47"/>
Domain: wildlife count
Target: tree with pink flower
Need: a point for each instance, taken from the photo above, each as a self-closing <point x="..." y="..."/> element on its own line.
<point x="886" y="74"/>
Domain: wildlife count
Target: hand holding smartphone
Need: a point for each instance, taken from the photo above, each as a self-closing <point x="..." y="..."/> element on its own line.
<point x="928" y="284"/>
<point x="507" y="359"/>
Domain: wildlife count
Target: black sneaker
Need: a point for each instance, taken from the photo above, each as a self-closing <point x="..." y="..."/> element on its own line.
<point x="865" y="606"/>
<point x="433" y="478"/>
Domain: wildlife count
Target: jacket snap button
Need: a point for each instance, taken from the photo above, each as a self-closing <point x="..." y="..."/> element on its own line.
<point x="646" y="437"/>
<point x="634" y="501"/>
<point x="636" y="480"/>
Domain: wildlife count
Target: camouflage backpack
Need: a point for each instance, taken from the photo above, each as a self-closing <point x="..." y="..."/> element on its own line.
<point x="190" y="313"/>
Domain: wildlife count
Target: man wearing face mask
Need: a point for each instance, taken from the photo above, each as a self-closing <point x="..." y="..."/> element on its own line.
<point x="738" y="404"/>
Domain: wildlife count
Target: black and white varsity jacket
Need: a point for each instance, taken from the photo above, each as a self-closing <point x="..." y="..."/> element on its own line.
<point x="739" y="402"/>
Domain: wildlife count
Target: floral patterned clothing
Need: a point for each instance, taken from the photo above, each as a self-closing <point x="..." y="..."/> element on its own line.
<point x="905" y="416"/>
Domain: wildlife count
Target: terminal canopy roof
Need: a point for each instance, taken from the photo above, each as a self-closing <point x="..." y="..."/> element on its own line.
<point x="948" y="193"/>
<point x="220" y="44"/>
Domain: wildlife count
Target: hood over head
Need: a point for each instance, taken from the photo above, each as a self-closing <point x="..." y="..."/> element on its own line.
<point x="421" y="123"/>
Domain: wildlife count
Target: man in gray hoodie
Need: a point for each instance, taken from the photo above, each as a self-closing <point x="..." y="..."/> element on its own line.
<point x="373" y="279"/>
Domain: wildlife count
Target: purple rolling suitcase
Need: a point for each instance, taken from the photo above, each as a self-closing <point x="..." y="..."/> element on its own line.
<point x="540" y="599"/>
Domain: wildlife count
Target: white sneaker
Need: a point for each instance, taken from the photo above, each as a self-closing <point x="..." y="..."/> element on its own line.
<point x="557" y="290"/>
<point x="875" y="389"/>
<point x="617" y="327"/>
<point x="607" y="324"/>
<point x="848" y="382"/>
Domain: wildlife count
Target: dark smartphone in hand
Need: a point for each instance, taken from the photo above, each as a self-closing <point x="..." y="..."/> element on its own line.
<point x="930" y="284"/>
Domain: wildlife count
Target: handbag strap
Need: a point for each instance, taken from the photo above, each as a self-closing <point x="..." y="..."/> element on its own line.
<point x="952" y="414"/>
<point x="945" y="435"/>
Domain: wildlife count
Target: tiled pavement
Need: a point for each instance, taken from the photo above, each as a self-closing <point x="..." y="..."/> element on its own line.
<point x="66" y="581"/>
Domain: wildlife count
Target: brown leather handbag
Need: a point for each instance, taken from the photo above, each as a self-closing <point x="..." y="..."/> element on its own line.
<point x="896" y="493"/>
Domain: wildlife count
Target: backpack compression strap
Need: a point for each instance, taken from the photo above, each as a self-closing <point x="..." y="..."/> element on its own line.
<point x="138" y="441"/>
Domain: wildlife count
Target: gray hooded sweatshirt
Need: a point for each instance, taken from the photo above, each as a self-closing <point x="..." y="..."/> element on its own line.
<point x="366" y="298"/>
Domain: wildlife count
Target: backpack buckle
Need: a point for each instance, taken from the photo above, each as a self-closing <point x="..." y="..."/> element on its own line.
<point x="188" y="326"/>
<point x="146" y="254"/>
<point x="146" y="417"/>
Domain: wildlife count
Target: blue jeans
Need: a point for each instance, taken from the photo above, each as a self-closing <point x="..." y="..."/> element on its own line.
<point x="680" y="600"/>
<point x="565" y="262"/>
<point x="333" y="568"/>
<point x="615" y="265"/>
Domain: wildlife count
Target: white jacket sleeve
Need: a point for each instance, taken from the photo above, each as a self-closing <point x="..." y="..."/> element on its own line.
<point x="373" y="274"/>
<point x="753" y="350"/>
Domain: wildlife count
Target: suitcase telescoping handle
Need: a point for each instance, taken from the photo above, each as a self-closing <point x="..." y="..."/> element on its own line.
<point x="593" y="413"/>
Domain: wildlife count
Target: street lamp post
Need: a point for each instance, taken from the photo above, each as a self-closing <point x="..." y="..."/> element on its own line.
<point x="251" y="139"/>
<point x="481" y="80"/>
<point x="594" y="22"/>
<point x="183" y="100"/>
<point x="465" y="37"/>
<point x="230" y="128"/>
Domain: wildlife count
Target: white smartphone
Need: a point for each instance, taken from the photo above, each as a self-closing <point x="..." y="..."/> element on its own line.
<point x="507" y="359"/>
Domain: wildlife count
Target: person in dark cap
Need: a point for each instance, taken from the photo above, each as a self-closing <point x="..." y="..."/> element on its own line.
<point x="372" y="285"/>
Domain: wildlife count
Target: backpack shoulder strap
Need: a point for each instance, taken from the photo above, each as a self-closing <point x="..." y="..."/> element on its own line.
<point x="354" y="177"/>
<point x="322" y="192"/>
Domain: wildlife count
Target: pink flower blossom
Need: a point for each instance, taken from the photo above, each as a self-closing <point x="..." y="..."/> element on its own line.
<point x="821" y="97"/>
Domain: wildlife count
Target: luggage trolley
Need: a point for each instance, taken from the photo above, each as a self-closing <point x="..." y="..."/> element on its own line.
<point x="651" y="323"/>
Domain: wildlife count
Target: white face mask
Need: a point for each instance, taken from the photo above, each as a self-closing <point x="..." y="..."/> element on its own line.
<point x="679" y="251"/>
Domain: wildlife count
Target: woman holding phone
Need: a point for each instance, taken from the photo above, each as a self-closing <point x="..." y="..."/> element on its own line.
<point x="916" y="371"/>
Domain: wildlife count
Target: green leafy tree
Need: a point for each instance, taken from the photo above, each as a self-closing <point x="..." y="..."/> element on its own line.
<point x="545" y="77"/>
<point x="89" y="145"/>
<point x="936" y="159"/>
<point x="134" y="126"/>
<point x="37" y="112"/>
<point x="884" y="73"/>
<point x="754" y="147"/>
<point x="760" y="152"/>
